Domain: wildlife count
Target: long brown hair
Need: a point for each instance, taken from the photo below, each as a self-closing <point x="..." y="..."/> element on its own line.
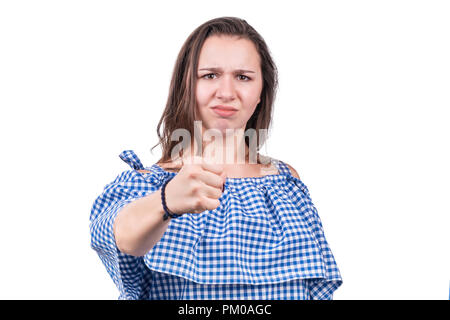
<point x="181" y="103"/>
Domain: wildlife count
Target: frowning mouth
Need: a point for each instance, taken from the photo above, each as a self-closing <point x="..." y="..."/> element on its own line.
<point x="228" y="108"/>
<point x="224" y="111"/>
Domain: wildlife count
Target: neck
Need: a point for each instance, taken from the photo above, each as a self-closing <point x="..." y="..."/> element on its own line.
<point x="220" y="147"/>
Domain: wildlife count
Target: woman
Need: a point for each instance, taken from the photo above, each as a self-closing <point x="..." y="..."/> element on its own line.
<point x="197" y="226"/>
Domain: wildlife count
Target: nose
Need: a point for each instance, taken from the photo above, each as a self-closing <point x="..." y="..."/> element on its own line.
<point x="226" y="90"/>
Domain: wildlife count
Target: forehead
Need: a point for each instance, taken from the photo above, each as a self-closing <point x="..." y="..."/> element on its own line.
<point x="228" y="51"/>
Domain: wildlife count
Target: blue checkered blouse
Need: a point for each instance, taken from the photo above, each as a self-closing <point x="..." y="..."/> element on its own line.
<point x="264" y="241"/>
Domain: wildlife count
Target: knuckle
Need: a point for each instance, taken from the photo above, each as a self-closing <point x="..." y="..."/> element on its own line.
<point x="195" y="189"/>
<point x="198" y="203"/>
<point x="192" y="174"/>
<point x="218" y="192"/>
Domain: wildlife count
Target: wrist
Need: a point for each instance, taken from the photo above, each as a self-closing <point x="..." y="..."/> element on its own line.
<point x="167" y="212"/>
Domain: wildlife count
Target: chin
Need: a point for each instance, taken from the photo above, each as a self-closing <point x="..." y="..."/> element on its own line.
<point x="219" y="124"/>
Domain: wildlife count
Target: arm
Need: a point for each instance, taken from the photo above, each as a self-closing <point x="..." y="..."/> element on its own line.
<point x="140" y="225"/>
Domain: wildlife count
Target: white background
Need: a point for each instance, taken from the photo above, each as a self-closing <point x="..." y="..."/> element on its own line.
<point x="362" y="114"/>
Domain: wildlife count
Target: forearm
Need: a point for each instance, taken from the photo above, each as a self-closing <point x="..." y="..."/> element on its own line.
<point x="140" y="225"/>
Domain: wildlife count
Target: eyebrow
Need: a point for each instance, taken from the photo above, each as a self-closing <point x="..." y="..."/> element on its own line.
<point x="219" y="69"/>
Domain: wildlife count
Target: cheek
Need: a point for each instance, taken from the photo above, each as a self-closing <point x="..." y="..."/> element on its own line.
<point x="250" y="110"/>
<point x="251" y="97"/>
<point x="202" y="94"/>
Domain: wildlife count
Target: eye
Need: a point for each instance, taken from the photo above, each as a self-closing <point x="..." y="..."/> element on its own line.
<point x="207" y="76"/>
<point x="245" y="77"/>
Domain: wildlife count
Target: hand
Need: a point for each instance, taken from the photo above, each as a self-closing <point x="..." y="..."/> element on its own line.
<point x="196" y="188"/>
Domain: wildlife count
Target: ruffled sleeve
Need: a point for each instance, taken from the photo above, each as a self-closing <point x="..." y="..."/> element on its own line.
<point x="127" y="272"/>
<point x="321" y="288"/>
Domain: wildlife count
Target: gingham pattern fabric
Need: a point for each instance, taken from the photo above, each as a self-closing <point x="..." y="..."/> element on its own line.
<point x="264" y="241"/>
<point x="172" y="287"/>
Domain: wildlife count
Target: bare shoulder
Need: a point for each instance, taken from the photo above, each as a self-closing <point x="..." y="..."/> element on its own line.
<point x="293" y="171"/>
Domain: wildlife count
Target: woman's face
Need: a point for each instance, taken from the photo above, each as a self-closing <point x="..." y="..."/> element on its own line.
<point x="229" y="75"/>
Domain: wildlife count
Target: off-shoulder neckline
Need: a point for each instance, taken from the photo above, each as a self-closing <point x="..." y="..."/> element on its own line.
<point x="237" y="179"/>
<point x="283" y="174"/>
